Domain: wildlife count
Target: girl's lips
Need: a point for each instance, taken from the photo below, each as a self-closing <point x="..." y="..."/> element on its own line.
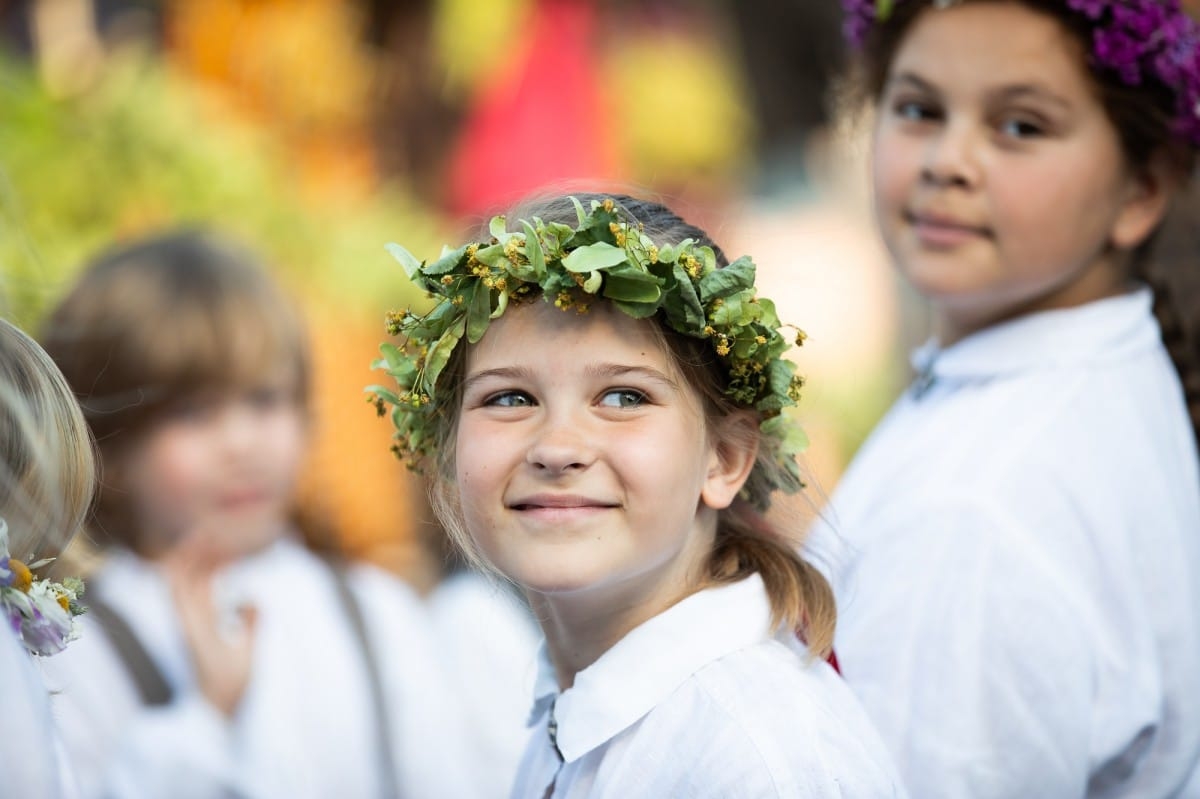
<point x="940" y="232"/>
<point x="560" y="508"/>
<point x="241" y="499"/>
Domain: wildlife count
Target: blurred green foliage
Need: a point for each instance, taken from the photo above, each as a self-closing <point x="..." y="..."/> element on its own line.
<point x="143" y="149"/>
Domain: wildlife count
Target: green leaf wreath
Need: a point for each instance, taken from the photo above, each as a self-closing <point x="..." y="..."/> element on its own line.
<point x="605" y="256"/>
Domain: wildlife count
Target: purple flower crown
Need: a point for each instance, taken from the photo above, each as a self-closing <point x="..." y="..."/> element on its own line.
<point x="1137" y="40"/>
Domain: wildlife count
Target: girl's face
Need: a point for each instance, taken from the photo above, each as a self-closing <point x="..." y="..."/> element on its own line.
<point x="1000" y="184"/>
<point x="222" y="467"/>
<point x="583" y="463"/>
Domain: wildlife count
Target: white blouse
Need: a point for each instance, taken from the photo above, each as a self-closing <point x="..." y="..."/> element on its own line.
<point x="701" y="701"/>
<point x="306" y="725"/>
<point x="1020" y="538"/>
<point x="30" y="763"/>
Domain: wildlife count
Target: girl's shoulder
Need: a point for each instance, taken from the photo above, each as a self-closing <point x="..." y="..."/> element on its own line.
<point x="781" y="713"/>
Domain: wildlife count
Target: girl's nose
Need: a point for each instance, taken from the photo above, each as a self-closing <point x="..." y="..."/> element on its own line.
<point x="560" y="446"/>
<point x="951" y="158"/>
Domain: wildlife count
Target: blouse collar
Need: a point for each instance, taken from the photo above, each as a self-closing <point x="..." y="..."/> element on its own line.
<point x="649" y="663"/>
<point x="1103" y="330"/>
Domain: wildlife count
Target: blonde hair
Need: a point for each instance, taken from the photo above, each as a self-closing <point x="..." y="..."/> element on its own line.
<point x="162" y="321"/>
<point x="47" y="465"/>
<point x="801" y="598"/>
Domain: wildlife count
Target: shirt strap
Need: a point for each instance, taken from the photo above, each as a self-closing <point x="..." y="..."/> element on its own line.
<point x="358" y="624"/>
<point x="151" y="685"/>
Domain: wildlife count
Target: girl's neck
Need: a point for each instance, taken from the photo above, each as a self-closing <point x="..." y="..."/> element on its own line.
<point x="953" y="324"/>
<point x="579" y="629"/>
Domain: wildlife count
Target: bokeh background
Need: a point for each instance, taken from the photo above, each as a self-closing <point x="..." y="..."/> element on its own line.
<point x="318" y="130"/>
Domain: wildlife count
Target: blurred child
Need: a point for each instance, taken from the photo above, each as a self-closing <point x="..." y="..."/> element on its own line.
<point x="599" y="394"/>
<point x="224" y="658"/>
<point x="47" y="477"/>
<point x="1022" y="612"/>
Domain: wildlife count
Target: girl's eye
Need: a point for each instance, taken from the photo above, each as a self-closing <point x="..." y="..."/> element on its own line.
<point x="510" y="399"/>
<point x="267" y="398"/>
<point x="1019" y="128"/>
<point x="622" y="398"/>
<point x="915" y="111"/>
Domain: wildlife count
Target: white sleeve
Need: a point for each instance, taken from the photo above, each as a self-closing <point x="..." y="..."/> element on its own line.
<point x="970" y="649"/>
<point x="28" y="762"/>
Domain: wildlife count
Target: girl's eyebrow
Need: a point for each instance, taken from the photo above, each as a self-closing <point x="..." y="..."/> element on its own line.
<point x="602" y="370"/>
<point x="1015" y="91"/>
<point x="500" y="373"/>
<point x="1031" y="91"/>
<point x="915" y="80"/>
<point x="622" y="370"/>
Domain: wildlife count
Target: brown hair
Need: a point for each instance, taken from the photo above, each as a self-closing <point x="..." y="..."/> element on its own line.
<point x="801" y="598"/>
<point x="1143" y="116"/>
<point x="47" y="467"/>
<point x="165" y="320"/>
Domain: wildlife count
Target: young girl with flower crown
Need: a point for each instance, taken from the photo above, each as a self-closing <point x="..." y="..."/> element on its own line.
<point x="1021" y="611"/>
<point x="220" y="656"/>
<point x="599" y="396"/>
<point x="47" y="477"/>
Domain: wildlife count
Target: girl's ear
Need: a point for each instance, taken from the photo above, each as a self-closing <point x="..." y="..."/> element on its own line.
<point x="1150" y="194"/>
<point x="731" y="459"/>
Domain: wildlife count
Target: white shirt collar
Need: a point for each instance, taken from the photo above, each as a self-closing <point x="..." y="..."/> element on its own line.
<point x="650" y="663"/>
<point x="1098" y="330"/>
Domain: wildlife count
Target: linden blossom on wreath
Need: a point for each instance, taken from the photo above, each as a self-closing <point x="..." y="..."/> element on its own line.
<point x="1135" y="39"/>
<point x="39" y="612"/>
<point x="607" y="257"/>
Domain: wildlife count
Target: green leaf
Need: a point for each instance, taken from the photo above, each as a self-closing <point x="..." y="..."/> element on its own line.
<point x="492" y="256"/>
<point x="501" y="304"/>
<point x="785" y="429"/>
<point x="594" y="256"/>
<point x="533" y="251"/>
<point x="448" y="262"/>
<point x="387" y="395"/>
<point x="592" y="284"/>
<point x="690" y="311"/>
<point x="638" y="310"/>
<point x="779" y="379"/>
<point x="631" y="284"/>
<point x="479" y="312"/>
<point x="409" y="261"/>
<point x="730" y="312"/>
<point x="579" y="212"/>
<point x="439" y="354"/>
<point x="392" y="355"/>
<point x="883" y="9"/>
<point x="497" y="227"/>
<point x="736" y="277"/>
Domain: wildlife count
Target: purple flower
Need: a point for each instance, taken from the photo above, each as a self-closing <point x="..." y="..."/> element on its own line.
<point x="1091" y="8"/>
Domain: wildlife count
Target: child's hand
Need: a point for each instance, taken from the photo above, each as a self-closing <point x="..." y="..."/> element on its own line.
<point x="222" y="653"/>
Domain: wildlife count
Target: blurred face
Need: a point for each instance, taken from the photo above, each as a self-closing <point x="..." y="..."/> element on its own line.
<point x="222" y="467"/>
<point x="583" y="463"/>
<point x="1000" y="184"/>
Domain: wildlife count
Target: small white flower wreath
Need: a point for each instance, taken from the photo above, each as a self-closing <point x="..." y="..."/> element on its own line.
<point x="41" y="613"/>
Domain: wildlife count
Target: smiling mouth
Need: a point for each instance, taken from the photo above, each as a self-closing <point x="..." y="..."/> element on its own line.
<point x="564" y="504"/>
<point x="529" y="506"/>
<point x="942" y="230"/>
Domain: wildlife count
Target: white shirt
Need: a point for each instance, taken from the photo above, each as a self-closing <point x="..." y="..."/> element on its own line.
<point x="29" y="761"/>
<point x="305" y="726"/>
<point x="1021" y="609"/>
<point x="489" y="643"/>
<point x="701" y="701"/>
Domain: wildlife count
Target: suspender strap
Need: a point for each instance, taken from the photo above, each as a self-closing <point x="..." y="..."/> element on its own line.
<point x="151" y="685"/>
<point x="383" y="731"/>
